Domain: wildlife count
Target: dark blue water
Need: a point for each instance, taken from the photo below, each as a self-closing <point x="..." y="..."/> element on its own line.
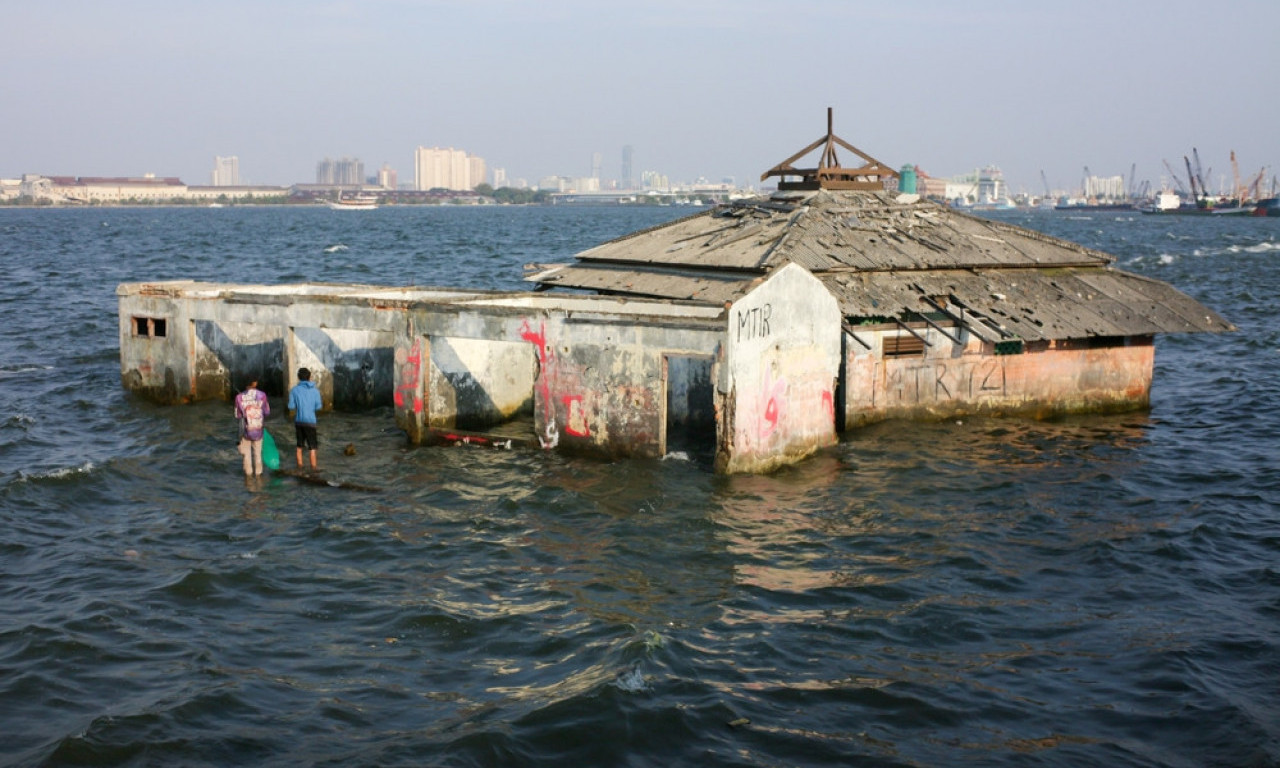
<point x="1099" y="590"/>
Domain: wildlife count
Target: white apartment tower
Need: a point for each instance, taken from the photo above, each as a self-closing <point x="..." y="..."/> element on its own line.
<point x="226" y="171"/>
<point x="387" y="177"/>
<point x="451" y="169"/>
<point x="475" y="171"/>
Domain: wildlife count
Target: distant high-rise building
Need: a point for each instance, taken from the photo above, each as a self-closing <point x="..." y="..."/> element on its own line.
<point x="654" y="180"/>
<point x="475" y="171"/>
<point x="451" y="169"/>
<point x="346" y="171"/>
<point x="226" y="171"/>
<point x="596" y="158"/>
<point x="499" y="178"/>
<point x="553" y="183"/>
<point x="386" y="177"/>
<point x="626" y="168"/>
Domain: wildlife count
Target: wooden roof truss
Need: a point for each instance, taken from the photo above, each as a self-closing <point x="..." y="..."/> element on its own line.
<point x="829" y="174"/>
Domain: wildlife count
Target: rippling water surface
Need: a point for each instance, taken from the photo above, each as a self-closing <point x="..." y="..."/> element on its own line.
<point x="1099" y="590"/>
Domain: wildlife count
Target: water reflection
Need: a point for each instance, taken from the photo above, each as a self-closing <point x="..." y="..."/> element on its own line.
<point x="897" y="498"/>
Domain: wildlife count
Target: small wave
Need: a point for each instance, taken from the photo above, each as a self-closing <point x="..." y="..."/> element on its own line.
<point x="19" y="368"/>
<point x="676" y="456"/>
<point x="19" y="421"/>
<point x="339" y="248"/>
<point x="58" y="474"/>
<point x="1262" y="247"/>
<point x="1167" y="258"/>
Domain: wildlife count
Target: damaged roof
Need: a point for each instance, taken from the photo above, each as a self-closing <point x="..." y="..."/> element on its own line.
<point x="895" y="257"/>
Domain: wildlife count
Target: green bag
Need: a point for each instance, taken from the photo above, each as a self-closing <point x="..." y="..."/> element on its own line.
<point x="270" y="454"/>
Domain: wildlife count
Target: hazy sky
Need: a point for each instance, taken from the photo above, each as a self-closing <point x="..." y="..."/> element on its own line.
<point x="709" y="88"/>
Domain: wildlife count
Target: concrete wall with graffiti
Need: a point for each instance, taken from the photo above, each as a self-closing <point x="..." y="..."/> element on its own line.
<point x="944" y="379"/>
<point x="606" y="375"/>
<point x="780" y="373"/>
<point x="594" y="383"/>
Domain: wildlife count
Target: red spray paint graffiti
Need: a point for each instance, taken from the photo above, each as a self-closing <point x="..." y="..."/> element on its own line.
<point x="576" y="423"/>
<point x="773" y="396"/>
<point x="539" y="342"/>
<point x="407" y="390"/>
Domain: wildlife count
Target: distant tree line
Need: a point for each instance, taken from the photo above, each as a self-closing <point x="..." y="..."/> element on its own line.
<point x="512" y="196"/>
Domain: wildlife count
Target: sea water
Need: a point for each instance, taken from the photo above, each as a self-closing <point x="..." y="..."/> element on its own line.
<point x="1093" y="590"/>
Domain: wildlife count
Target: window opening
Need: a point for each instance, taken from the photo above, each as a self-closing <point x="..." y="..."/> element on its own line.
<point x="150" y="327"/>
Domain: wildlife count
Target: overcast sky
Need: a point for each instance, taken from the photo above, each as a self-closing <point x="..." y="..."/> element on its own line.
<point x="709" y="88"/>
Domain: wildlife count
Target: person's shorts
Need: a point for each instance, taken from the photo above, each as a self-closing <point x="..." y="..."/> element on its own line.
<point x="306" y="434"/>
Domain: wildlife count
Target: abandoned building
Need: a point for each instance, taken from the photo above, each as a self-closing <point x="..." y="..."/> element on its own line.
<point x="755" y="331"/>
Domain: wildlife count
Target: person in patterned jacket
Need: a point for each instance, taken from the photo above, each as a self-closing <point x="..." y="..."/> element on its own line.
<point x="252" y="409"/>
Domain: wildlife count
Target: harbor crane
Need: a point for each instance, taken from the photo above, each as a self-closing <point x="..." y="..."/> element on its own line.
<point x="1045" y="181"/>
<point x="1191" y="177"/>
<point x="1253" y="187"/>
<point x="1204" y="191"/>
<point x="1177" y="182"/>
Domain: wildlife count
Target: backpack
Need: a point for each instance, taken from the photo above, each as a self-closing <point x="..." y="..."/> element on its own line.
<point x="252" y="409"/>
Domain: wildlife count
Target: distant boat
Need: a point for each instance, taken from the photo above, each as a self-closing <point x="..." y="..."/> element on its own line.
<point x="1169" y="203"/>
<point x="360" y="202"/>
<point x="1117" y="205"/>
<point x="1268" y="207"/>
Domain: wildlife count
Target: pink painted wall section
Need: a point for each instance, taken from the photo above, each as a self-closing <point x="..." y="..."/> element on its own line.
<point x="1040" y="383"/>
<point x="595" y="398"/>
<point x="408" y="393"/>
<point x="782" y="363"/>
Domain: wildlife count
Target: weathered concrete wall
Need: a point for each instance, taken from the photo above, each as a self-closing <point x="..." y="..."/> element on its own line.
<point x="219" y="337"/>
<point x="782" y="364"/>
<point x="352" y="369"/>
<point x="155" y="362"/>
<point x="476" y="383"/>
<point x="590" y="368"/>
<point x="950" y="379"/>
<point x="604" y="375"/>
<point x="228" y="355"/>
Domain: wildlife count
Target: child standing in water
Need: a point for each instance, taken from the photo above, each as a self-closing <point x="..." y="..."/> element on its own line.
<point x="304" y="401"/>
<point x="252" y="409"/>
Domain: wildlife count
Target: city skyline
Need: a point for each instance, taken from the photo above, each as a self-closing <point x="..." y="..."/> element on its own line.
<point x="712" y="89"/>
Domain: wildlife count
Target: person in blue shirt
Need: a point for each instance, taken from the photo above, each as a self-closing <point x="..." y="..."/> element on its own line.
<point x="304" y="401"/>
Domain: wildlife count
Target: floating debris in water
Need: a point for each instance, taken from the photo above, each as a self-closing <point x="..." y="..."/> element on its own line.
<point x="631" y="681"/>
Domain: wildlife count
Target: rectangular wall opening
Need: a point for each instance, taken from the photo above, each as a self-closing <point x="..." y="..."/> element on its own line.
<point x="690" y="406"/>
<point x="150" y="327"/>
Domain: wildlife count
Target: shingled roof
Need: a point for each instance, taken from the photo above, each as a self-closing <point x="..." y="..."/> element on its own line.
<point x="892" y="257"/>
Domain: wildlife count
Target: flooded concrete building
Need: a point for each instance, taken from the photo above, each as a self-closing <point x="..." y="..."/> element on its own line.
<point x="941" y="313"/>
<point x="603" y="375"/>
<point x="753" y="332"/>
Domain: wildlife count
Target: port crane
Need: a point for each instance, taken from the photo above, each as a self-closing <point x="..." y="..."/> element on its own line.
<point x="1191" y="177"/>
<point x="1204" y="191"/>
<point x="1177" y="182"/>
